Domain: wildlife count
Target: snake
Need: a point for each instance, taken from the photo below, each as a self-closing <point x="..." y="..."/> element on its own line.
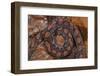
<point x="72" y="42"/>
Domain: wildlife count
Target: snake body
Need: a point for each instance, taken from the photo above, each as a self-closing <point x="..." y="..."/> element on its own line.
<point x="73" y="42"/>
